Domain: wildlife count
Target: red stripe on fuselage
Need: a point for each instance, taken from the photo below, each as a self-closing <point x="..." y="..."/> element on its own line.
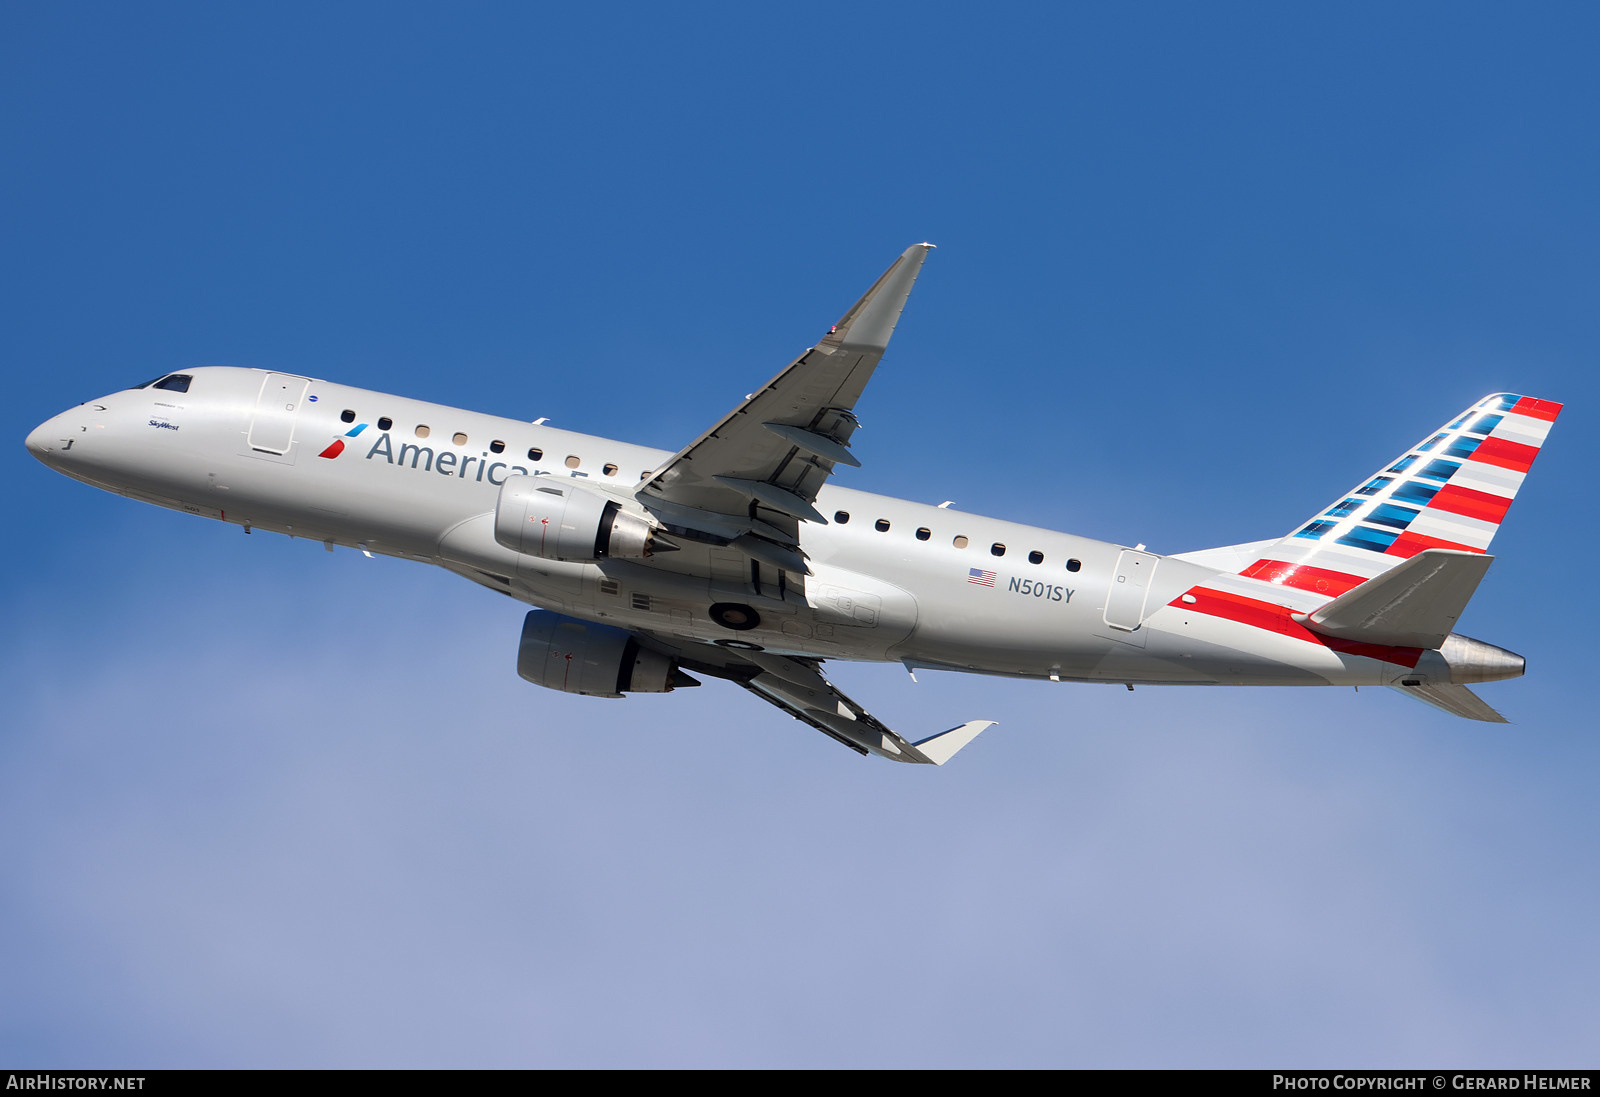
<point x="1537" y="409"/>
<point x="1505" y="453"/>
<point x="1275" y="618"/>
<point x="1408" y="544"/>
<point x="1302" y="577"/>
<point x="1471" y="503"/>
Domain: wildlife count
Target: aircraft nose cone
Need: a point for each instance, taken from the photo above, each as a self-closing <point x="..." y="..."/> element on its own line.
<point x="52" y="438"/>
<point x="39" y="440"/>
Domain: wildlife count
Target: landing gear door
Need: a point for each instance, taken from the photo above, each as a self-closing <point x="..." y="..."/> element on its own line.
<point x="272" y="425"/>
<point x="1129" y="585"/>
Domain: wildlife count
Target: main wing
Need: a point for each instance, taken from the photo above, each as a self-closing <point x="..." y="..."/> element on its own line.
<point x="753" y="477"/>
<point x="798" y="687"/>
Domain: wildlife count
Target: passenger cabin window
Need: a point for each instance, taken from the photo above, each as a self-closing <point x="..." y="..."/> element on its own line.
<point x="347" y="416"/>
<point x="881" y="525"/>
<point x="177" y="382"/>
<point x="959" y="541"/>
<point x="459" y="438"/>
<point x="841" y="516"/>
<point x="610" y="470"/>
<point x="497" y="446"/>
<point x="997" y="549"/>
<point x="384" y="422"/>
<point x="1074" y="565"/>
<point x="1036" y="557"/>
<point x="924" y="533"/>
<point x="535" y="454"/>
<point x="573" y="462"/>
<point x="422" y="430"/>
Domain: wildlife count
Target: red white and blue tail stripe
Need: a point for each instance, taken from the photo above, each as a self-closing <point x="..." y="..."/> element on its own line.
<point x="1451" y="490"/>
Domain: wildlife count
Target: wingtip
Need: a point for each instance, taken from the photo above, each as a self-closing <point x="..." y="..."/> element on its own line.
<point x="866" y="328"/>
<point x="939" y="749"/>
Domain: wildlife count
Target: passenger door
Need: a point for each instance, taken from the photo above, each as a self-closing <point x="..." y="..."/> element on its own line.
<point x="272" y="425"/>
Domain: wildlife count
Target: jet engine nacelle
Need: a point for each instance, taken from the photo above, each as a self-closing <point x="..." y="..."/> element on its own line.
<point x="575" y="656"/>
<point x="556" y="519"/>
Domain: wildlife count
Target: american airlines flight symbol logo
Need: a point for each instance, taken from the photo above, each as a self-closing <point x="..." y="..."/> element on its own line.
<point x="338" y="443"/>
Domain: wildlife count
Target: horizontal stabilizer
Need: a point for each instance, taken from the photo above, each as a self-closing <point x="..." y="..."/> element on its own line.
<point x="940" y="748"/>
<point x="1414" y="605"/>
<point x="1456" y="700"/>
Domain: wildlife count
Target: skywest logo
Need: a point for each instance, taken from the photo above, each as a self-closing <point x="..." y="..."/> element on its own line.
<point x="447" y="463"/>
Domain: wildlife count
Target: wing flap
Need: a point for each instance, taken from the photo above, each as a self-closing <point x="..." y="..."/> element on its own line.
<point x="779" y="499"/>
<point x="774" y="555"/>
<point x="798" y="687"/>
<point x="812" y="442"/>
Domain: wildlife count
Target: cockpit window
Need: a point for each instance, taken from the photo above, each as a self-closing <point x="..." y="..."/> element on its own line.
<point x="146" y="384"/>
<point x="175" y="382"/>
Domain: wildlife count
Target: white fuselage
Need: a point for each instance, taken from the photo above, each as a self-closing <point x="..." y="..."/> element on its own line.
<point x="879" y="589"/>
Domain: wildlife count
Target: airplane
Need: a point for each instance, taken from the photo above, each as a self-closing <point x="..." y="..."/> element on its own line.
<point x="737" y="558"/>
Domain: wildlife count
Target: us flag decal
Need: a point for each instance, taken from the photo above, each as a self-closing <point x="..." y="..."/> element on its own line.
<point x="982" y="578"/>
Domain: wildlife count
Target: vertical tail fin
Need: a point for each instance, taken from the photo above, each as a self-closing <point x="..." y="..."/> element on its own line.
<point x="1450" y="491"/>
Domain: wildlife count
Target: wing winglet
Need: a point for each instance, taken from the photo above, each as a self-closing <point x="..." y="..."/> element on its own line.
<point x="869" y="323"/>
<point x="939" y="749"/>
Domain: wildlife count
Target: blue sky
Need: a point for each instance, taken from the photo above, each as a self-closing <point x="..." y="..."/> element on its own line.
<point x="1200" y="270"/>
